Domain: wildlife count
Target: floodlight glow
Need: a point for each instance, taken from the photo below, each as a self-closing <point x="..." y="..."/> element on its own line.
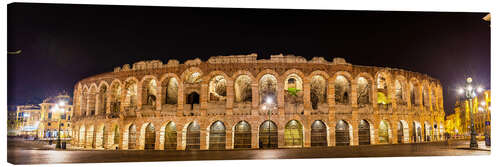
<point x="460" y="91"/>
<point x="483" y="103"/>
<point x="264" y="107"/>
<point x="469" y="88"/>
<point x="62" y="103"/>
<point x="269" y="100"/>
<point x="479" y="89"/>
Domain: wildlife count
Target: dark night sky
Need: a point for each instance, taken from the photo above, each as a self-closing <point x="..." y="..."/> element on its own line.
<point x="62" y="44"/>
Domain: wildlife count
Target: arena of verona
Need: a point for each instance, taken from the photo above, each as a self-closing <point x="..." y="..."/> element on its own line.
<point x="241" y="102"/>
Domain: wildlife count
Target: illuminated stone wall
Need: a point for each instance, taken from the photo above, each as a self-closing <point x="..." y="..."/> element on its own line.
<point x="234" y="88"/>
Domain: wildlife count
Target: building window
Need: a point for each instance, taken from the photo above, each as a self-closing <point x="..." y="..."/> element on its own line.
<point x="62" y="124"/>
<point x="69" y="117"/>
<point x="50" y="115"/>
<point x="48" y="124"/>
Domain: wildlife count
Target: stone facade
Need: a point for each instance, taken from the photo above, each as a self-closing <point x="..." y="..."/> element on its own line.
<point x="225" y="102"/>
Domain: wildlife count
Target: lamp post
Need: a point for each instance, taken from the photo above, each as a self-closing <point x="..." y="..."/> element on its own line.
<point x="470" y="93"/>
<point x="56" y="108"/>
<point x="267" y="107"/>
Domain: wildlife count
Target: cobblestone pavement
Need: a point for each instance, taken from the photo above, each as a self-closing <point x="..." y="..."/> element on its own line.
<point x="24" y="152"/>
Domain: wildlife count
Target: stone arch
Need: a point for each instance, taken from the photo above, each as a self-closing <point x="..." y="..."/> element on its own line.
<point x="416" y="132"/>
<point x="425" y="93"/>
<point x="265" y="75"/>
<point x="217" y="136"/>
<point x="364" y="89"/>
<point x="433" y="96"/>
<point x="413" y="88"/>
<point x="115" y="135"/>
<point x="343" y="133"/>
<point x="130" y="98"/>
<point x="84" y="101"/>
<point x="91" y="101"/>
<point x="191" y="136"/>
<point x="217" y="86"/>
<point x="365" y="133"/>
<point x="101" y="138"/>
<point x="242" y="135"/>
<point x="192" y="75"/>
<point x="147" y="136"/>
<point x="383" y="86"/>
<point x="403" y="132"/>
<point x="131" y="137"/>
<point x="400" y="90"/>
<point x="294" y="134"/>
<point x="268" y="88"/>
<point x="82" y="136"/>
<point x="319" y="91"/>
<point x="427" y="131"/>
<point x="171" y="89"/>
<point x="268" y="135"/>
<point x="384" y="132"/>
<point x="342" y="88"/>
<point x="168" y="136"/>
<point x="115" y="93"/>
<point x="102" y="97"/>
<point x="90" y="140"/>
<point x="149" y="90"/>
<point x="319" y="134"/>
<point x="243" y="88"/>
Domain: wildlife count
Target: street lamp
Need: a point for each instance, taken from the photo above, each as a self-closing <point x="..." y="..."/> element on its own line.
<point x="267" y="106"/>
<point x="61" y="104"/>
<point x="470" y="93"/>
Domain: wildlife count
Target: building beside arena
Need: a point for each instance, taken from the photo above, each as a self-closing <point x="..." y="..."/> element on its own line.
<point x="46" y="120"/>
<point x="239" y="101"/>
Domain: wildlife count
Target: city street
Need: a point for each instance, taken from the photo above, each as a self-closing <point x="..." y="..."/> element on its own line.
<point x="18" y="153"/>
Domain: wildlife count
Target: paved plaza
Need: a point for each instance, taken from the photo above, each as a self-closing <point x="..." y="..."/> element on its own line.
<point x="29" y="152"/>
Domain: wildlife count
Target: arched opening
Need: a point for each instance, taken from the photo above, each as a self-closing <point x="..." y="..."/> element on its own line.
<point x="425" y="95"/>
<point x="149" y="92"/>
<point x="242" y="135"/>
<point x="268" y="135"/>
<point x="267" y="88"/>
<point x="92" y="100"/>
<point x="103" y="100"/>
<point x="293" y="134"/>
<point x="130" y="102"/>
<point x="364" y="133"/>
<point x="217" y="136"/>
<point x="400" y="132"/>
<point x="342" y="133"/>
<point x="435" y="132"/>
<point x="115" y="99"/>
<point x="104" y="137"/>
<point x="416" y="132"/>
<point x="193" y="98"/>
<point x="217" y="89"/>
<point x="382" y="92"/>
<point x="318" y="134"/>
<point x="427" y="132"/>
<point x="342" y="90"/>
<point x="383" y="132"/>
<point x="243" y="89"/>
<point x="364" y="91"/>
<point x="294" y="90"/>
<point x="318" y="92"/>
<point x="413" y="94"/>
<point x="193" y="136"/>
<point x="82" y="136"/>
<point x="399" y="92"/>
<point x="170" y="89"/>
<point x="116" y="136"/>
<point x="131" y="137"/>
<point x="149" y="138"/>
<point x="83" y="102"/>
<point x="170" y="136"/>
<point x="90" y="137"/>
